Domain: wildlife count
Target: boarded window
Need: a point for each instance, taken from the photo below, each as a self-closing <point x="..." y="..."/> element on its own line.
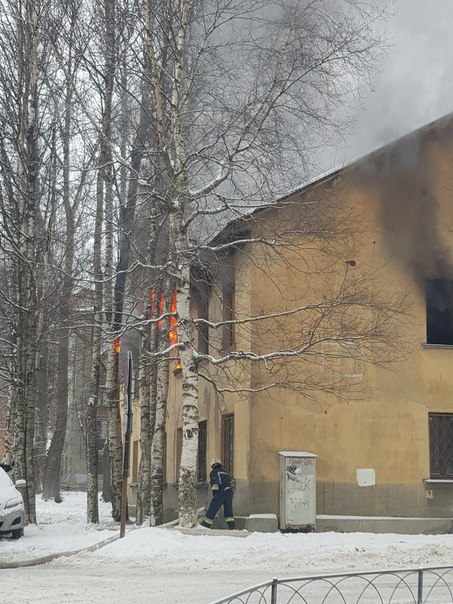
<point x="202" y="448"/>
<point x="228" y="443"/>
<point x="441" y="445"/>
<point x="439" y="311"/>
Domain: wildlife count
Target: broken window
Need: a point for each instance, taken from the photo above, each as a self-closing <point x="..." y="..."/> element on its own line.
<point x="441" y="445"/>
<point x="439" y="311"/>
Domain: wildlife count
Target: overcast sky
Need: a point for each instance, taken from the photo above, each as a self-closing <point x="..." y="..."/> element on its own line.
<point x="415" y="83"/>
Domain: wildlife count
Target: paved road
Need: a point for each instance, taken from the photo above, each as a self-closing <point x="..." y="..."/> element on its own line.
<point x="58" y="583"/>
<point x="89" y="580"/>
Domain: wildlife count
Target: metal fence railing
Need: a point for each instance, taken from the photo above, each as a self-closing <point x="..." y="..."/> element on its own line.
<point x="405" y="586"/>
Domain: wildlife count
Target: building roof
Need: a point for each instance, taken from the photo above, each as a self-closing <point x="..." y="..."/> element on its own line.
<point x="239" y="227"/>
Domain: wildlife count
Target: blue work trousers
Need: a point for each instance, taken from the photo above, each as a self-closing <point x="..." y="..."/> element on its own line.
<point x="225" y="499"/>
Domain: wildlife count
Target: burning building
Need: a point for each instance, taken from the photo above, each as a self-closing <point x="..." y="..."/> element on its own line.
<point x="329" y="329"/>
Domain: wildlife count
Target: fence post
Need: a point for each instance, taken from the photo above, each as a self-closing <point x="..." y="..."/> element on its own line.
<point x="274" y="591"/>
<point x="420" y="587"/>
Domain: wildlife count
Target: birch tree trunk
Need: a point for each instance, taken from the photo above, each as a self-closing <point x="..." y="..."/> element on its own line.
<point x="52" y="473"/>
<point x="114" y="447"/>
<point x="148" y="395"/>
<point x="103" y="181"/>
<point x="178" y="236"/>
<point x="96" y="341"/>
<point x="112" y="385"/>
<point x="149" y="388"/>
<point x="42" y="415"/>
<point x="10" y="425"/>
<point x="53" y="469"/>
<point x="160" y="415"/>
<point x="28" y="170"/>
<point x="190" y="410"/>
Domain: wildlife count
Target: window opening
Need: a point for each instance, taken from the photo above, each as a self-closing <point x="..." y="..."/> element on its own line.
<point x="441" y="445"/>
<point x="439" y="311"/>
<point x="200" y="300"/>
<point x="228" y="443"/>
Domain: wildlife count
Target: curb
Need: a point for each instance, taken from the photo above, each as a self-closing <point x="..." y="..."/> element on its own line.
<point x="210" y="532"/>
<point x="50" y="557"/>
<point x="172" y="526"/>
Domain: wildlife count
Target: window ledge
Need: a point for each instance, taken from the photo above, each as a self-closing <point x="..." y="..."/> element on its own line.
<point x="438" y="481"/>
<point x="447" y="346"/>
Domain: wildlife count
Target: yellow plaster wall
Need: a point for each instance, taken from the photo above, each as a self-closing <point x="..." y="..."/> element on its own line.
<point x="383" y="424"/>
<point x="381" y="420"/>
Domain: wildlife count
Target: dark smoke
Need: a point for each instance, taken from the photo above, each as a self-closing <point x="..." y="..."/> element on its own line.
<point x="408" y="206"/>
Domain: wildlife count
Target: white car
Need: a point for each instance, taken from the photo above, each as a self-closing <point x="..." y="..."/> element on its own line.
<point x="12" y="513"/>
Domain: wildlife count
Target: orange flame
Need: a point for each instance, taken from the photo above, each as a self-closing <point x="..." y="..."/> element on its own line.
<point x="117" y="346"/>
<point x="173" y="332"/>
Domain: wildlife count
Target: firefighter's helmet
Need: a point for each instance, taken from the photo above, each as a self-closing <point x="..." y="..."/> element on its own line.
<point x="215" y="462"/>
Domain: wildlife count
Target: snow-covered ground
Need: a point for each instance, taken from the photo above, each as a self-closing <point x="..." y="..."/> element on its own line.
<point x="160" y="566"/>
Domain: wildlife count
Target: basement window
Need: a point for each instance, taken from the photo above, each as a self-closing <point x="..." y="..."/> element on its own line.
<point x="441" y="445"/>
<point x="439" y="312"/>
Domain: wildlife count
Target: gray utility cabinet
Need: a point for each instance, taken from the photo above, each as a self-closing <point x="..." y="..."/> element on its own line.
<point x="297" y="490"/>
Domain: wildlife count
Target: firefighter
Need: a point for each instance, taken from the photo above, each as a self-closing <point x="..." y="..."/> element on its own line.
<point x="222" y="495"/>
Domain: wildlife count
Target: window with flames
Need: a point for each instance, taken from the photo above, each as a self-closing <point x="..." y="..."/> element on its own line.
<point x="172" y="327"/>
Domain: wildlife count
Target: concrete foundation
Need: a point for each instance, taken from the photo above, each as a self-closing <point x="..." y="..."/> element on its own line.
<point x="262" y="523"/>
<point x="369" y="514"/>
<point x="384" y="524"/>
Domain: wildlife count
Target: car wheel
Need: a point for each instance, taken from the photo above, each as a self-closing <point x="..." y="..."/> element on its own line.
<point x="18" y="533"/>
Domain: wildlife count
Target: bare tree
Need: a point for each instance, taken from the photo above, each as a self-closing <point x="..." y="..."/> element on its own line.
<point x="22" y="55"/>
<point x="103" y="192"/>
<point x="237" y="90"/>
<point x="71" y="201"/>
<point x="199" y="112"/>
